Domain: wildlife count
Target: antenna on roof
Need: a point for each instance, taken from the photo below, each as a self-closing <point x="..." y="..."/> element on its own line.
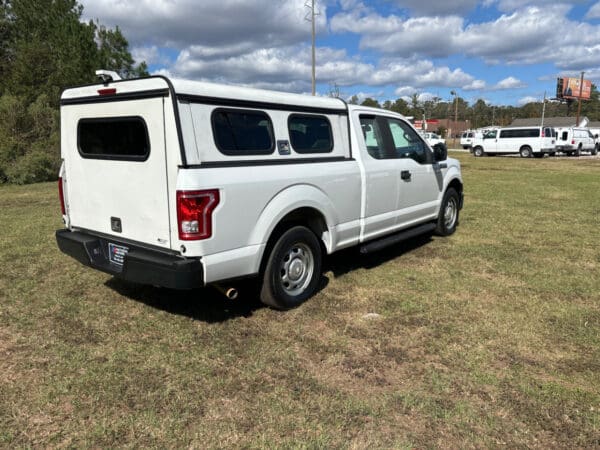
<point x="107" y="75"/>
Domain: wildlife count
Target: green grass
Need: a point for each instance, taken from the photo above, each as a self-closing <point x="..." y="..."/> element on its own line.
<point x="490" y="337"/>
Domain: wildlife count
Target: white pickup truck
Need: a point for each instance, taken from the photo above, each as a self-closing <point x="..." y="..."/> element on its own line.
<point x="183" y="184"/>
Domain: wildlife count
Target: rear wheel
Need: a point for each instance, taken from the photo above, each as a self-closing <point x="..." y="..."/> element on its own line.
<point x="595" y="150"/>
<point x="525" y="152"/>
<point x="478" y="151"/>
<point x="448" y="217"/>
<point x="293" y="269"/>
<point x="578" y="151"/>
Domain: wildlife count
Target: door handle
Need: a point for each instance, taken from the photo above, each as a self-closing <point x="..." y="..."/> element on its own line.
<point x="405" y="175"/>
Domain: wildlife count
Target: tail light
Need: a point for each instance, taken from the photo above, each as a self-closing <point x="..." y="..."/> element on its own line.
<point x="61" y="195"/>
<point x="572" y="141"/>
<point x="194" y="213"/>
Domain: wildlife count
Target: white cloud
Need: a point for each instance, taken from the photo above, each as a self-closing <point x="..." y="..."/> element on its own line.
<point x="528" y="99"/>
<point x="437" y="8"/>
<point x="594" y="12"/>
<point x="509" y="83"/>
<point x="512" y="5"/>
<point x="476" y="85"/>
<point x="405" y="91"/>
<point x="526" y="36"/>
<point x="210" y="23"/>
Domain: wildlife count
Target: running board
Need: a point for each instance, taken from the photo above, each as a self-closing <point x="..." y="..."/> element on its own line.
<point x="378" y="244"/>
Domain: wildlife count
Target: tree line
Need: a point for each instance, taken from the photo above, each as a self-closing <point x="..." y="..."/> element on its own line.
<point x="481" y="114"/>
<point x="44" y="48"/>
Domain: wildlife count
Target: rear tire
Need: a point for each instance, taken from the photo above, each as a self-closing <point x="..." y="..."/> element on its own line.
<point x="525" y="152"/>
<point x="293" y="269"/>
<point x="595" y="150"/>
<point x="449" y="210"/>
<point x="578" y="151"/>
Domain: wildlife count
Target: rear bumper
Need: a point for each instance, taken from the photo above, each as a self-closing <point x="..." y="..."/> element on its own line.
<point x="140" y="265"/>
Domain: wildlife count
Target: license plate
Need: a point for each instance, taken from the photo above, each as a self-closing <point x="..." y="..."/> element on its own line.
<point x="116" y="253"/>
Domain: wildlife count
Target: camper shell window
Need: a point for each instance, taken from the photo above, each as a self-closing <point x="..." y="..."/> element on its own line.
<point x="310" y="134"/>
<point x="120" y="138"/>
<point x="242" y="132"/>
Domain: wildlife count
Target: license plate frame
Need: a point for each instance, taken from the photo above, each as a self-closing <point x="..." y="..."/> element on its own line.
<point x="116" y="253"/>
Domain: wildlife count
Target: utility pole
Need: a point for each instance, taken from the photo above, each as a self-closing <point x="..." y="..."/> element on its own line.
<point x="543" y="110"/>
<point x="579" y="99"/>
<point x="311" y="17"/>
<point x="455" y="112"/>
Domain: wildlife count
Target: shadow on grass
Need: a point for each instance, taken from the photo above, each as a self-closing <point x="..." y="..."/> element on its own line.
<point x="351" y="259"/>
<point x="206" y="304"/>
<point x="209" y="305"/>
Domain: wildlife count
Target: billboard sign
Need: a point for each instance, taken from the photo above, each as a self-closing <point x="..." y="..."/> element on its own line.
<point x="569" y="88"/>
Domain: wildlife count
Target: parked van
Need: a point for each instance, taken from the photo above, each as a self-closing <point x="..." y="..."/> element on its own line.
<point x="183" y="184"/>
<point x="574" y="141"/>
<point x="526" y="141"/>
<point x="466" y="139"/>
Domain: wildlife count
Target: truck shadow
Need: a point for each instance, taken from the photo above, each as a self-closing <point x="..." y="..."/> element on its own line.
<point x="204" y="304"/>
<point x="351" y="259"/>
<point x="210" y="306"/>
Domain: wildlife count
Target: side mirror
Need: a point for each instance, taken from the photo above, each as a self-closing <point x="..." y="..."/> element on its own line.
<point x="440" y="152"/>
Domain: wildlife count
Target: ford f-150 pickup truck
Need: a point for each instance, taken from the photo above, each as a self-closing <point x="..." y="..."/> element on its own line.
<point x="183" y="184"/>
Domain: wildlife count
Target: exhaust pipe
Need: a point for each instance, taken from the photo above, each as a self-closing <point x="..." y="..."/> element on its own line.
<point x="230" y="292"/>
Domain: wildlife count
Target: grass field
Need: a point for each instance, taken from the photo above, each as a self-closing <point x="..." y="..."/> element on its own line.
<point x="488" y="338"/>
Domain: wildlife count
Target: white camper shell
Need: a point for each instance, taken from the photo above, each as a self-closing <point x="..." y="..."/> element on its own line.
<point x="182" y="184"/>
<point x="575" y="140"/>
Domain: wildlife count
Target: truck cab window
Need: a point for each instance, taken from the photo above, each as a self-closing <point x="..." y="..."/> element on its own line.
<point x="407" y="142"/>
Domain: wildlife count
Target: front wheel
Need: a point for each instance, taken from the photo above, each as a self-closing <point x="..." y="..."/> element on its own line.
<point x="293" y="269"/>
<point x="448" y="217"/>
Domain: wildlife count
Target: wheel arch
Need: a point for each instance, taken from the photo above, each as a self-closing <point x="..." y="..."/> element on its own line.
<point x="303" y="205"/>
<point x="458" y="187"/>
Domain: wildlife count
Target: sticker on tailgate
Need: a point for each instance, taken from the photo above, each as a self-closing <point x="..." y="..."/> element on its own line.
<point x="116" y="253"/>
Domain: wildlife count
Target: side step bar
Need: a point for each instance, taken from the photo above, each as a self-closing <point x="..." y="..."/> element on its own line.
<point x="379" y="244"/>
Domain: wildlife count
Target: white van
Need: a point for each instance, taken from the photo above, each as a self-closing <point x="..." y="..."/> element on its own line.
<point x="574" y="141"/>
<point x="526" y="141"/>
<point x="183" y="184"/>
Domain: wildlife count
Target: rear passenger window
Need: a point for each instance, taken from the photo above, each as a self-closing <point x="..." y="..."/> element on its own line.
<point x="121" y="138"/>
<point x="240" y="132"/>
<point x="373" y="137"/>
<point x="310" y="134"/>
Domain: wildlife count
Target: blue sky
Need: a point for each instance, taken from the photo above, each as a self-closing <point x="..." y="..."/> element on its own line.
<point x="506" y="52"/>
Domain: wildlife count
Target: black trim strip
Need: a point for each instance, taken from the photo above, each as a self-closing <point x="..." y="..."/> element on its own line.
<point x="137" y="95"/>
<point x="177" y="120"/>
<point x="267" y="162"/>
<point x="258" y="105"/>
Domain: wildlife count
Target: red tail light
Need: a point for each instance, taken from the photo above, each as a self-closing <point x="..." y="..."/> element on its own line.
<point x="194" y="213"/>
<point x="572" y="141"/>
<point x="61" y="195"/>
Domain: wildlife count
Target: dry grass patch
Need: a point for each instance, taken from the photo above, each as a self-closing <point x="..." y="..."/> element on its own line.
<point x="488" y="338"/>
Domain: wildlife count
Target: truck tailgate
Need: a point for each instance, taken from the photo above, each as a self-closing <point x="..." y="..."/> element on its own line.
<point x="115" y="169"/>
